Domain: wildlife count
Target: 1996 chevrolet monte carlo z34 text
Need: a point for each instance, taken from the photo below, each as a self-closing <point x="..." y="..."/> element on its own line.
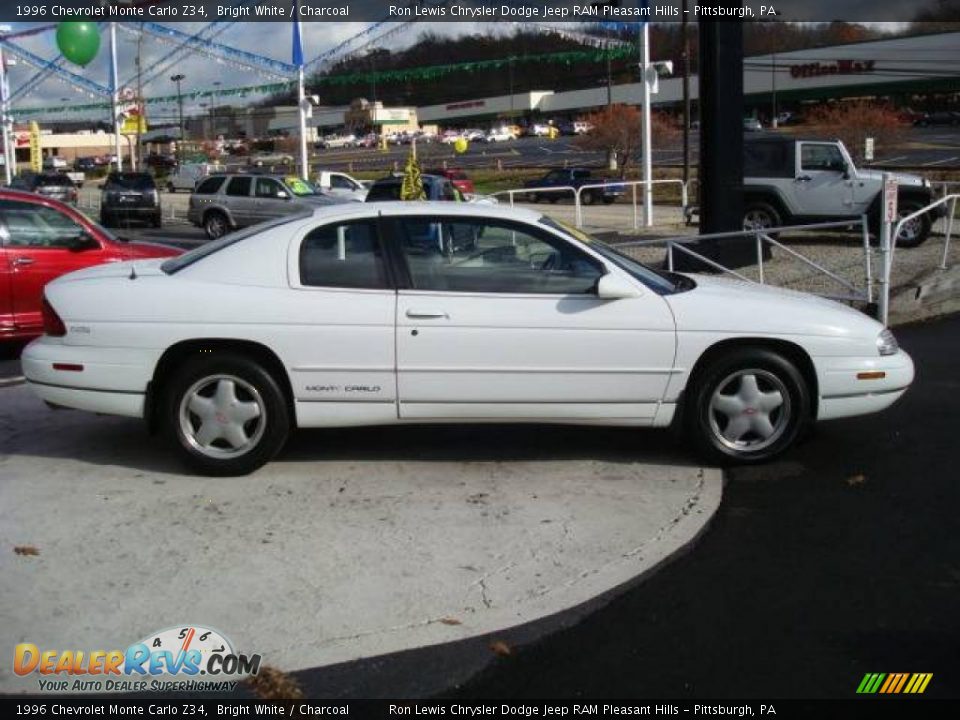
<point x="437" y="312"/>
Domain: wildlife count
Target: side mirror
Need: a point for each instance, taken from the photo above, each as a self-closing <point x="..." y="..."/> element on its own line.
<point x="82" y="241"/>
<point x="614" y="287"/>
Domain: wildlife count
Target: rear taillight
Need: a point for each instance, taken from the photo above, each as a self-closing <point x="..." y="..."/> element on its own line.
<point x="52" y="324"/>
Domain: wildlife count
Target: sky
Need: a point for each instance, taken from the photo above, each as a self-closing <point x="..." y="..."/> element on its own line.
<point x="269" y="39"/>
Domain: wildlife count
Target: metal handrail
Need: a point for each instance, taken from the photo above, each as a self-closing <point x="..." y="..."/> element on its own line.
<point x="952" y="200"/>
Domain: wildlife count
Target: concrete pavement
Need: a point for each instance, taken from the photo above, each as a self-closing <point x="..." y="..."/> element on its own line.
<point x="354" y="543"/>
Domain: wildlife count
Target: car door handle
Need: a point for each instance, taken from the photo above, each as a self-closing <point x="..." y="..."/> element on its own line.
<point x="23" y="261"/>
<point x="803" y="178"/>
<point x="426" y="314"/>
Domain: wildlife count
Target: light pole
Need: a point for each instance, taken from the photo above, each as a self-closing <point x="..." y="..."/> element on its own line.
<point x="178" y="78"/>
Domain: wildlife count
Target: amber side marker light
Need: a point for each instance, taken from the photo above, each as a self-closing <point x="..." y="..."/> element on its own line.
<point x="69" y="367"/>
<point x="872" y="375"/>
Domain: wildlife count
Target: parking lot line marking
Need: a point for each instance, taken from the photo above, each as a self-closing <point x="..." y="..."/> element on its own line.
<point x="940" y="162"/>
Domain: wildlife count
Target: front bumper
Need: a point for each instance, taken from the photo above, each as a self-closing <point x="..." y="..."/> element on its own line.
<point x="844" y="394"/>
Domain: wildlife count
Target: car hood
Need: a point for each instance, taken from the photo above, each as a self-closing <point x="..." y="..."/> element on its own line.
<point x="733" y="306"/>
<point x="902" y="178"/>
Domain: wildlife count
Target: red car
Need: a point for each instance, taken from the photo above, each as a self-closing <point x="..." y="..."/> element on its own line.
<point x="457" y="178"/>
<point x="42" y="238"/>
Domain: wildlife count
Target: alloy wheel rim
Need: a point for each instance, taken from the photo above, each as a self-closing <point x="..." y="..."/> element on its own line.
<point x="222" y="416"/>
<point x="756" y="220"/>
<point x="215" y="226"/>
<point x="749" y="410"/>
<point x="910" y="230"/>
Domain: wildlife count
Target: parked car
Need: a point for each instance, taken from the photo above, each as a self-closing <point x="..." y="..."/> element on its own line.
<point x="188" y="175"/>
<point x="539" y="129"/>
<point x="458" y="179"/>
<point x="582" y="127"/>
<point x="938" y="119"/>
<point x="575" y="178"/>
<point x="130" y="196"/>
<point x="790" y="181"/>
<point x="337" y="141"/>
<point x="340" y="185"/>
<point x="160" y="161"/>
<point x="43" y="238"/>
<point x="54" y="185"/>
<point x="86" y="164"/>
<point x="751" y="124"/>
<point x="223" y="202"/>
<point x="449" y="137"/>
<point x="54" y="162"/>
<point x="341" y="317"/>
<point x="436" y="188"/>
<point x="499" y="134"/>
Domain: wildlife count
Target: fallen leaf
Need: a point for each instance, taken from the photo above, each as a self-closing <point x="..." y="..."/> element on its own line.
<point x="499" y="647"/>
<point x="450" y="621"/>
<point x="856" y="480"/>
<point x="25" y="550"/>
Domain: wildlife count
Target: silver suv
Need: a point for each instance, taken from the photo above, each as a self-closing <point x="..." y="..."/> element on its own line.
<point x="225" y="202"/>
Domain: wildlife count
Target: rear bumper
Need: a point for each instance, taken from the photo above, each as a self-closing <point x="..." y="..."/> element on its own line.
<point x="98" y="401"/>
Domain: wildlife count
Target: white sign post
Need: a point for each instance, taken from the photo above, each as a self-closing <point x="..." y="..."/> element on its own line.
<point x="888" y="220"/>
<point x="868" y="149"/>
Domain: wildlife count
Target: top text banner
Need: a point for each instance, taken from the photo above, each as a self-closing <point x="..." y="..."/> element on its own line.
<point x="548" y="11"/>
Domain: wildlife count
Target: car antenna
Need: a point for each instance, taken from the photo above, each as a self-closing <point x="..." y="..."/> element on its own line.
<point x="133" y="272"/>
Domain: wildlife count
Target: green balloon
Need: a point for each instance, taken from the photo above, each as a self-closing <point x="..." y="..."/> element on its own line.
<point x="78" y="41"/>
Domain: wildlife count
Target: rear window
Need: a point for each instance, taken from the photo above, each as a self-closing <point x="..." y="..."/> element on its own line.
<point x="384" y="191"/>
<point x="767" y="159"/>
<point x="54" y="181"/>
<point x="209" y="186"/>
<point x="178" y="263"/>
<point x="131" y="181"/>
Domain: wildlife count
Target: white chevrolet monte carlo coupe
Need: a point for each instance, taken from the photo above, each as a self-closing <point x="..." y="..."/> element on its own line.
<point x="443" y="312"/>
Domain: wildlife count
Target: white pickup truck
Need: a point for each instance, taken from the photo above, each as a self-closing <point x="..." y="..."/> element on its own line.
<point x="340" y="185"/>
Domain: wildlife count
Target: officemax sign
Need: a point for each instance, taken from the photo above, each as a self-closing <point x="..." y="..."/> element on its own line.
<point x="840" y="67"/>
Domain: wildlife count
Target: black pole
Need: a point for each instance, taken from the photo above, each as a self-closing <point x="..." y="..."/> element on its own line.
<point x="721" y="147"/>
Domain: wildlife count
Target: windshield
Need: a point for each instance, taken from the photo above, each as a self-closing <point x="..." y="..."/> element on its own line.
<point x="659" y="281"/>
<point x="175" y="265"/>
<point x="299" y="186"/>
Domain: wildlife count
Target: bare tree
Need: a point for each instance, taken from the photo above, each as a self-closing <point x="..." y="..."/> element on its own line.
<point x="616" y="130"/>
<point x="853" y="122"/>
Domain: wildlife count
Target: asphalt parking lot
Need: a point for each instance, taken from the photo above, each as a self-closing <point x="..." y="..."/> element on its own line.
<point x="352" y="544"/>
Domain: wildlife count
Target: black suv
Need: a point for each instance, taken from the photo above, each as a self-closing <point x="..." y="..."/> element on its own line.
<point x="129" y="196"/>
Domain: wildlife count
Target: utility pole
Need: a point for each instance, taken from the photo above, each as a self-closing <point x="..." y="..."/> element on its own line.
<point x="646" y="69"/>
<point x="685" y="61"/>
<point x="4" y="110"/>
<point x="178" y="78"/>
<point x="115" y="96"/>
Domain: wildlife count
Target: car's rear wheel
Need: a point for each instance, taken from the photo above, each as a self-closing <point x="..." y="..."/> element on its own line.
<point x="608" y="199"/>
<point x="589" y="198"/>
<point x="748" y="405"/>
<point x="215" y="224"/>
<point x="227" y="414"/>
<point x="760" y="216"/>
<point x="170" y="188"/>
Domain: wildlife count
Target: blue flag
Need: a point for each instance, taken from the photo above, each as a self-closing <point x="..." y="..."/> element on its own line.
<point x="297" y="43"/>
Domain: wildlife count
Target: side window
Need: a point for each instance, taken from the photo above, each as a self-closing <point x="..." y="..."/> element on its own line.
<point x="820" y="157"/>
<point x="268" y="188"/>
<point x="342" y="255"/>
<point x="239" y="186"/>
<point x="493" y="257"/>
<point x="341" y="183"/>
<point x="209" y="186"/>
<point x="37" y="226"/>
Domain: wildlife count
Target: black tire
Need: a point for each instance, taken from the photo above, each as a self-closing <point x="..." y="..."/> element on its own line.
<point x="106" y="220"/>
<point x="608" y="199"/>
<point x="589" y="198"/>
<point x="717" y="389"/>
<point x="201" y="377"/>
<point x="157" y="221"/>
<point x="553" y="199"/>
<point x="215" y="224"/>
<point x="533" y="197"/>
<point x="757" y="213"/>
<point x="918" y="230"/>
<point x="170" y="188"/>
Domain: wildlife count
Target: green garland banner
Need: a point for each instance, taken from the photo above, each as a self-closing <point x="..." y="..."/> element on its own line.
<point x="430" y="72"/>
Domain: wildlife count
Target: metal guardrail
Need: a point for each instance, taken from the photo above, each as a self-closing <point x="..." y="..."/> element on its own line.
<point x="761" y="237"/>
<point x="577" y="193"/>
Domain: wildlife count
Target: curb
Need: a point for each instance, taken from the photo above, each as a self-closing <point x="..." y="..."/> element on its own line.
<point x="927" y="296"/>
<point x="11" y="381"/>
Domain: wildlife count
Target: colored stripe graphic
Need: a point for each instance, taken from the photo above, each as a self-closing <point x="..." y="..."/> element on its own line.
<point x="894" y="683"/>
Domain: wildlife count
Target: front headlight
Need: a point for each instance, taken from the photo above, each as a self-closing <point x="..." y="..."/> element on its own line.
<point x="887" y="343"/>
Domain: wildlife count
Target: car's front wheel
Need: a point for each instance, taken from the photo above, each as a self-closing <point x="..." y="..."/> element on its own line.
<point x="760" y="216"/>
<point x="748" y="405"/>
<point x="915" y="231"/>
<point x="227" y="414"/>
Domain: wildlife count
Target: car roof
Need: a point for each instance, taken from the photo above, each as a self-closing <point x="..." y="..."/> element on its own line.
<point x="428" y="207"/>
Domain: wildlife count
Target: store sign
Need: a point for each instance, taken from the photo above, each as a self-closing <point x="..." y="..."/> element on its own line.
<point x="391" y="115"/>
<point x="840" y="67"/>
